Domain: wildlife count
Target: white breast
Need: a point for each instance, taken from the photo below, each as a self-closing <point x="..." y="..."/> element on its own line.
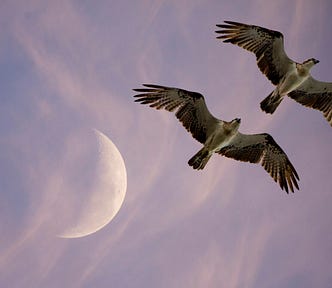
<point x="293" y="79"/>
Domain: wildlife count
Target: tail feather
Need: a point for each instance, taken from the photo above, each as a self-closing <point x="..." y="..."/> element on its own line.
<point x="271" y="102"/>
<point x="199" y="160"/>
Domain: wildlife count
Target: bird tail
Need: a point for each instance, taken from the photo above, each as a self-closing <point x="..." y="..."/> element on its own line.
<point x="271" y="102"/>
<point x="199" y="160"/>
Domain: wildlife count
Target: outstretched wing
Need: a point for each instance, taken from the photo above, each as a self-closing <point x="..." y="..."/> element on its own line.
<point x="190" y="107"/>
<point x="315" y="94"/>
<point x="261" y="148"/>
<point x="268" y="45"/>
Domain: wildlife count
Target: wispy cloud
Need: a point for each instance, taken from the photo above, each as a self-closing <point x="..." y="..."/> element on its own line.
<point x="229" y="224"/>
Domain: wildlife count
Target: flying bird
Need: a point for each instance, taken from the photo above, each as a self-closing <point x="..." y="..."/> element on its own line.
<point x="220" y="136"/>
<point x="291" y="78"/>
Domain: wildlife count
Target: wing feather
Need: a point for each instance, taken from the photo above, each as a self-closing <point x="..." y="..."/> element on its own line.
<point x="266" y="44"/>
<point x="190" y="107"/>
<point x="261" y="148"/>
<point x="315" y="94"/>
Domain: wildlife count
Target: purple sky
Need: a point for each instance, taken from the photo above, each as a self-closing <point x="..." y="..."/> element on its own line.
<point x="69" y="66"/>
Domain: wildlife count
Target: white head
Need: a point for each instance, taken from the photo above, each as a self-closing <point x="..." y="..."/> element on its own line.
<point x="232" y="126"/>
<point x="310" y="62"/>
<point x="235" y="123"/>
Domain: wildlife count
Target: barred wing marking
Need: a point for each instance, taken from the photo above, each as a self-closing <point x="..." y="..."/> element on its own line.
<point x="266" y="44"/>
<point x="315" y="94"/>
<point x="191" y="109"/>
<point x="261" y="148"/>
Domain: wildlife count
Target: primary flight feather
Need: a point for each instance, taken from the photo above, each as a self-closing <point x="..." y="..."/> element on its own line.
<point x="220" y="136"/>
<point x="291" y="78"/>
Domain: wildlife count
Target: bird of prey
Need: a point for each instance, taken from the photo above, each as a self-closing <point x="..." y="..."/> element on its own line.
<point x="291" y="78"/>
<point x="220" y="136"/>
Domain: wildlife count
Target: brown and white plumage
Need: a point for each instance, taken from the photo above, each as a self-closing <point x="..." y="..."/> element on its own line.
<point x="291" y="78"/>
<point x="315" y="94"/>
<point x="220" y="136"/>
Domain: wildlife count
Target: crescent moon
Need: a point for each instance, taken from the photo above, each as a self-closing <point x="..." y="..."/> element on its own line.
<point x="108" y="192"/>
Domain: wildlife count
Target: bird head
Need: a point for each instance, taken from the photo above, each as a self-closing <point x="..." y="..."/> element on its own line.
<point x="315" y="60"/>
<point x="310" y="62"/>
<point x="236" y="123"/>
<point x="232" y="126"/>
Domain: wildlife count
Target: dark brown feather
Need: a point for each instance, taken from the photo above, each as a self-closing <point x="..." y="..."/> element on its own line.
<point x="263" y="43"/>
<point x="267" y="152"/>
<point x="316" y="95"/>
<point x="188" y="107"/>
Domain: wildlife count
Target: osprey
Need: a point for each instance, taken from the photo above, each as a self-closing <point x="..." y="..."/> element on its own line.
<point x="220" y="136"/>
<point x="291" y="78"/>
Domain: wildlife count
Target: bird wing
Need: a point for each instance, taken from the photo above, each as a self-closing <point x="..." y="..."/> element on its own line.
<point x="315" y="94"/>
<point x="190" y="107"/>
<point x="261" y="148"/>
<point x="268" y="46"/>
